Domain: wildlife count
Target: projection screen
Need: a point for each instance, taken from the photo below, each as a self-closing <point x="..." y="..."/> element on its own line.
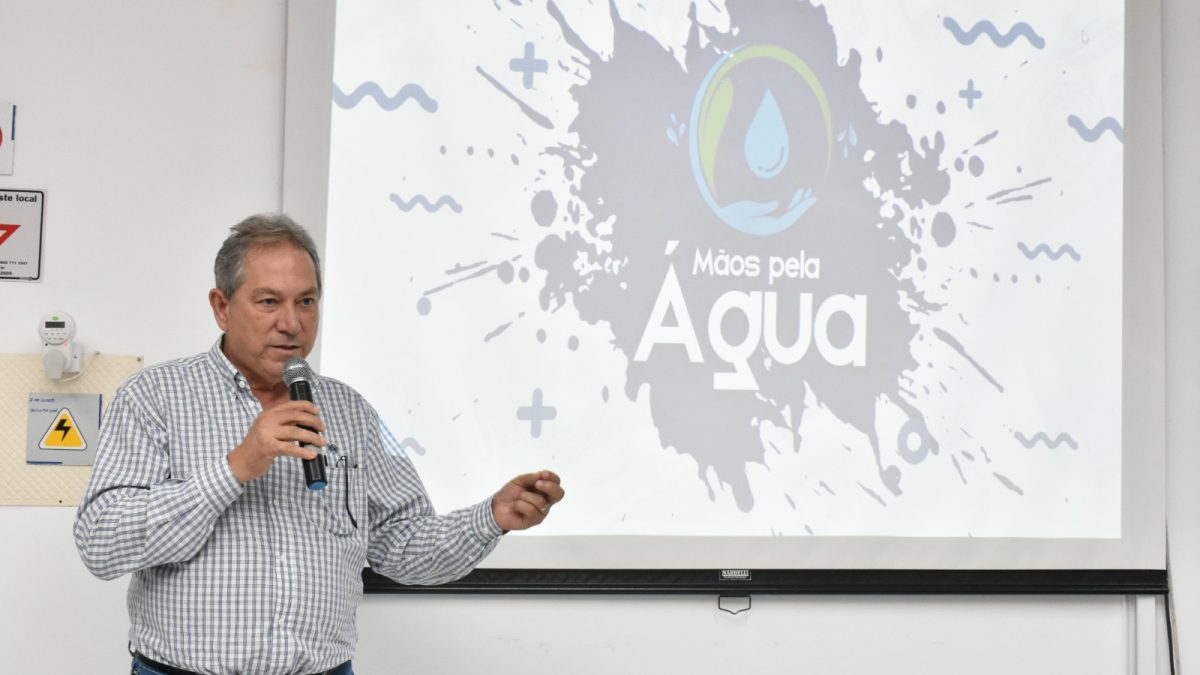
<point x="771" y="284"/>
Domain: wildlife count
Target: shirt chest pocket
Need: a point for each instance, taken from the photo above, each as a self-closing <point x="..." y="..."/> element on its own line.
<point x="340" y="507"/>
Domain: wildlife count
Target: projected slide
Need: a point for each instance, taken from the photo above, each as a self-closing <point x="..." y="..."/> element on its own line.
<point x="745" y="268"/>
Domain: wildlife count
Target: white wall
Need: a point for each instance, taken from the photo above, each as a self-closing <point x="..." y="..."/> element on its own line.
<point x="154" y="125"/>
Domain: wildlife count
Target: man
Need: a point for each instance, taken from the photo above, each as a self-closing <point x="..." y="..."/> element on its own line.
<point x="198" y="489"/>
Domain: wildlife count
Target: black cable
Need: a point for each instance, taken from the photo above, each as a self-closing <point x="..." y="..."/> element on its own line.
<point x="1167" y="599"/>
<point x="1170" y="631"/>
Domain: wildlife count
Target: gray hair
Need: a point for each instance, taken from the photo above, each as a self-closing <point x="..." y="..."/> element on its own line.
<point x="264" y="229"/>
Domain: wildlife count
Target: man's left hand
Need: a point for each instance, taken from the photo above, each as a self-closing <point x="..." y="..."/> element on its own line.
<point x="526" y="500"/>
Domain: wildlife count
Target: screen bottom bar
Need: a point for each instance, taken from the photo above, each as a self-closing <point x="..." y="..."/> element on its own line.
<point x="811" y="582"/>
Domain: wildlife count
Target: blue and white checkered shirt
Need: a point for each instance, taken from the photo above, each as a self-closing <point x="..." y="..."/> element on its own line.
<point x="263" y="577"/>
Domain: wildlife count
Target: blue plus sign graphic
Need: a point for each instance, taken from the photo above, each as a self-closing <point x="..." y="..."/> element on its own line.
<point x="536" y="413"/>
<point x="971" y="94"/>
<point x="528" y="65"/>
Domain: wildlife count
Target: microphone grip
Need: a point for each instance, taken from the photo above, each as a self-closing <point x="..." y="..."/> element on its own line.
<point x="314" y="469"/>
<point x="314" y="472"/>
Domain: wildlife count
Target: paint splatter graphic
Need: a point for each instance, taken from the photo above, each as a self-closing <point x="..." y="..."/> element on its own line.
<point x="818" y="287"/>
<point x="792" y="62"/>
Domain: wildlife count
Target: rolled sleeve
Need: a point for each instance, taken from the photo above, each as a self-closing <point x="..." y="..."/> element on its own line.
<point x="218" y="485"/>
<point x="483" y="522"/>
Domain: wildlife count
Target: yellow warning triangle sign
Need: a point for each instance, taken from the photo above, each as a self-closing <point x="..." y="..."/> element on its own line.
<point x="63" y="434"/>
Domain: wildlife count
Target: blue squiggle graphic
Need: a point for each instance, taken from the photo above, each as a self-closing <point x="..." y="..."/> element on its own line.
<point x="1001" y="40"/>
<point x="423" y="202"/>
<point x="1094" y="133"/>
<point x="1043" y="438"/>
<point x="1043" y="248"/>
<point x="388" y="103"/>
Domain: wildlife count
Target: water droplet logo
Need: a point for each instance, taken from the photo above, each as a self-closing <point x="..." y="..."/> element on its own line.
<point x="767" y="140"/>
<point x="777" y="102"/>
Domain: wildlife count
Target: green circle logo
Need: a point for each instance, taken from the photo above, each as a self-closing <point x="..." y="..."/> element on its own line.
<point x="759" y="196"/>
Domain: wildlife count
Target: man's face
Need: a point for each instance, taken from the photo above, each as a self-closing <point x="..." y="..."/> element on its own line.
<point x="272" y="316"/>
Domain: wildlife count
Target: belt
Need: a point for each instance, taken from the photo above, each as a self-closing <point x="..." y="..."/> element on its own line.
<point x="172" y="670"/>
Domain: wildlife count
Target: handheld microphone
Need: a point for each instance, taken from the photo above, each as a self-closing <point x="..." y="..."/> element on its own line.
<point x="298" y="377"/>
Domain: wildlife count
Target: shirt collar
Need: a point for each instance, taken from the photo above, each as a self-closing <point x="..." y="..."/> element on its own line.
<point x="224" y="366"/>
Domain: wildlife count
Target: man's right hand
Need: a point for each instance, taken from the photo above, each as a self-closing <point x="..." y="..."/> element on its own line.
<point x="275" y="434"/>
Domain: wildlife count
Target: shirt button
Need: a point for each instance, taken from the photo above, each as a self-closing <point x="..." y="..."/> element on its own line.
<point x="282" y="558"/>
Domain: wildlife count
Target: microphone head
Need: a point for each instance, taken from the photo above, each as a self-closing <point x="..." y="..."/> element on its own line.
<point x="296" y="370"/>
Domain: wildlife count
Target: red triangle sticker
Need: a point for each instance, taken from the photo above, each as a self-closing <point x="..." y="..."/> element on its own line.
<point x="7" y="231"/>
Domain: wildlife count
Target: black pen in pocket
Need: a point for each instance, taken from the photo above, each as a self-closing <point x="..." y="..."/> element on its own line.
<point x="343" y="461"/>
